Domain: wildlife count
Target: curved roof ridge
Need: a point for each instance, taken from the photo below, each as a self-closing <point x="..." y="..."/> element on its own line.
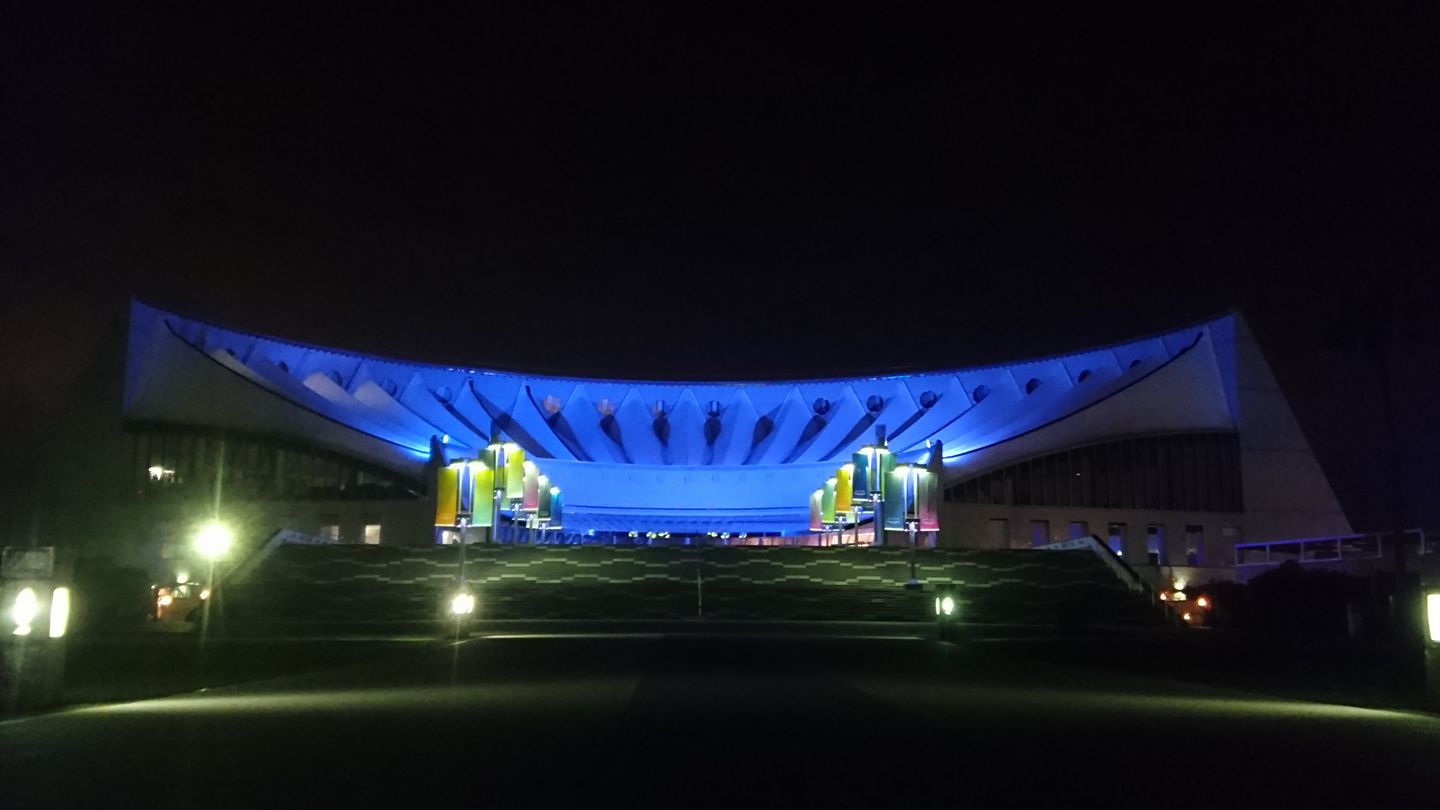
<point x="879" y="374"/>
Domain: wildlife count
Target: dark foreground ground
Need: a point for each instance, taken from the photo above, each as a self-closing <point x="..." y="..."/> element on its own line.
<point x="728" y="720"/>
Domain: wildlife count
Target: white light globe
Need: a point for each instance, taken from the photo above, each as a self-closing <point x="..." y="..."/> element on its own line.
<point x="463" y="604"/>
<point x="214" y="540"/>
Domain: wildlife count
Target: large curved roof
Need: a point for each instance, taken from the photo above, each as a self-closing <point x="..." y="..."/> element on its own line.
<point x="692" y="456"/>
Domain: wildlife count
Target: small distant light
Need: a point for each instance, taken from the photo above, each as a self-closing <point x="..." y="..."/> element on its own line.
<point x="24" y="610"/>
<point x="1180" y="584"/>
<point x="945" y="606"/>
<point x="1186" y="617"/>
<point x="1164" y="596"/>
<point x="462" y="604"/>
<point x="164" y="600"/>
<point x="205" y="594"/>
<point x="1178" y="596"/>
<point x="182" y="577"/>
<point x="59" y="611"/>
<point x="1202" y="602"/>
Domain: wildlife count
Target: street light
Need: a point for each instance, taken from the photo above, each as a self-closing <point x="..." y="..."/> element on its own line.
<point x="947" y="611"/>
<point x="213" y="542"/>
<point x="462" y="604"/>
<point x="24" y="611"/>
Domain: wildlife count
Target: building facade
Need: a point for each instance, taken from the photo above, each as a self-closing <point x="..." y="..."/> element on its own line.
<point x="1173" y="448"/>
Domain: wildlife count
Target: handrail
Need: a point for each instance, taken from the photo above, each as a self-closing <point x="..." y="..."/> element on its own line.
<point x="281" y="537"/>
<point x="1122" y="570"/>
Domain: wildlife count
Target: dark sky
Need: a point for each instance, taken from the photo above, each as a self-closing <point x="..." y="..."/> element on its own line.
<point x="704" y="192"/>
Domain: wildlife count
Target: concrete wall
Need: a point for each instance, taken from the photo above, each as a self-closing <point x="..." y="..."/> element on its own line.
<point x="1286" y="493"/>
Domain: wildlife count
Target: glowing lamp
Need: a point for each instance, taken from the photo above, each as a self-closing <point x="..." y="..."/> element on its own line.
<point x="1432" y="616"/>
<point x="24" y="611"/>
<point x="214" y="540"/>
<point x="59" y="611"/>
<point x="947" y="611"/>
<point x="462" y="604"/>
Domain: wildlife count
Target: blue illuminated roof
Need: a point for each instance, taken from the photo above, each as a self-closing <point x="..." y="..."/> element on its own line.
<point x="737" y="456"/>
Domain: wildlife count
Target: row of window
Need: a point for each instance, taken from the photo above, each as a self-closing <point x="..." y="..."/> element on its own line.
<point x="1158" y="551"/>
<point x="181" y="463"/>
<point x="1191" y="472"/>
<point x="330" y="532"/>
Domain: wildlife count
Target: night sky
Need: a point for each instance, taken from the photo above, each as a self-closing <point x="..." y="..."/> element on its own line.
<point x="701" y="192"/>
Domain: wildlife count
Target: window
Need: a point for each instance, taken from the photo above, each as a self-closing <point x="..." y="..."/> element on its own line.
<point x="329" y="532"/>
<point x="1230" y="536"/>
<point x="182" y="463"/>
<point x="1155" y="544"/>
<point x="1194" y="545"/>
<point x="1039" y="532"/>
<point x="1079" y="528"/>
<point x="999" y="533"/>
<point x="1115" y="536"/>
<point x="372" y="534"/>
<point x="1194" y="472"/>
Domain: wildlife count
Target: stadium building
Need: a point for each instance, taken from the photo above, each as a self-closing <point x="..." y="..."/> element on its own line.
<point x="1174" y="448"/>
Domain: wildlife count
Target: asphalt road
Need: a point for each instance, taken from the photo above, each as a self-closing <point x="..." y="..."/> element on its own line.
<point x="717" y="721"/>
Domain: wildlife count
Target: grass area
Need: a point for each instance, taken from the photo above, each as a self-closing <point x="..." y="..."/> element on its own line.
<point x="136" y="666"/>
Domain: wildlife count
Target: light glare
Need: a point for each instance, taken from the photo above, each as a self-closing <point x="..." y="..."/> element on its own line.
<point x="24" y="610"/>
<point x="1432" y="615"/>
<point x="213" y="540"/>
<point x="59" y="611"/>
<point x="462" y="604"/>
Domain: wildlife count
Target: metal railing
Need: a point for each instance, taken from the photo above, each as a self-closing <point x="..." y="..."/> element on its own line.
<point x="1335" y="548"/>
<point x="1094" y="544"/>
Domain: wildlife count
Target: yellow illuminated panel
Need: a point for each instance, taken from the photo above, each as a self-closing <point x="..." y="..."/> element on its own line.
<point x="515" y="473"/>
<point x="447" y="495"/>
<point x="844" y="487"/>
<point x="1432" y="615"/>
<point x="484" y="513"/>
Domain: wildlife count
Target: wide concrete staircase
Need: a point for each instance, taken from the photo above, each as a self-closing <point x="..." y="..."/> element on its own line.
<point x="351" y="585"/>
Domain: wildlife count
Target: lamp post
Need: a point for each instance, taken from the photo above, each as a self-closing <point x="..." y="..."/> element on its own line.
<point x="213" y="542"/>
<point x="909" y="476"/>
